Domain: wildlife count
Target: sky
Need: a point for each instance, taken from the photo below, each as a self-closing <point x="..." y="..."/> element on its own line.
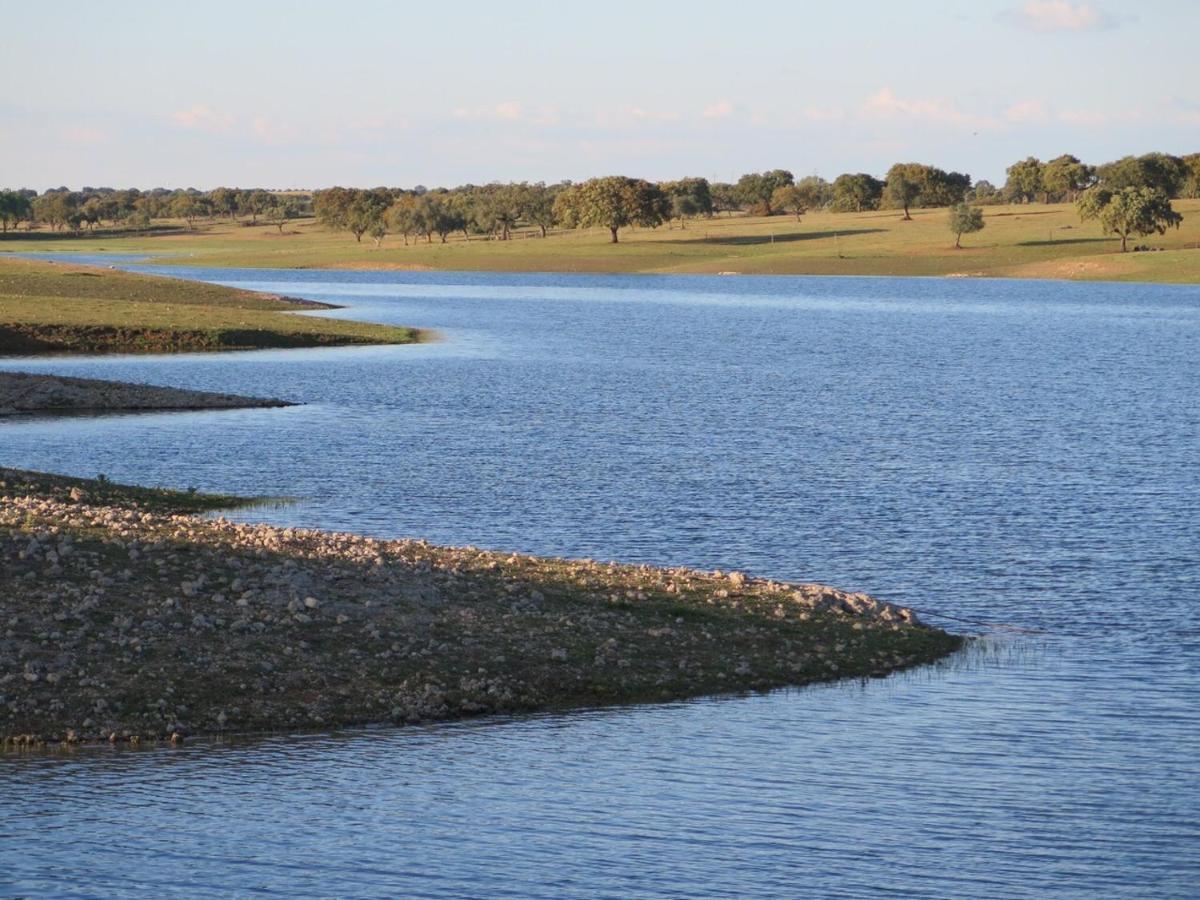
<point x="300" y="94"/>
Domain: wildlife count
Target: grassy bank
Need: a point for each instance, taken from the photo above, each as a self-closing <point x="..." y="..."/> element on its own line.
<point x="61" y="308"/>
<point x="1033" y="241"/>
<point x="126" y="619"/>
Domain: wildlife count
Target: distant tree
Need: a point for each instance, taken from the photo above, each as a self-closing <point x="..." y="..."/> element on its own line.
<point x="856" y="192"/>
<point x="224" y="201"/>
<point x="756" y="188"/>
<point x="791" y="198"/>
<point x="367" y="212"/>
<point x="964" y="219"/>
<point x="14" y="206"/>
<point x="814" y="192"/>
<point x="56" y="208"/>
<point x="1024" y="180"/>
<point x="902" y="186"/>
<point x="688" y="197"/>
<point x="984" y="191"/>
<point x="283" y="210"/>
<point x="537" y="204"/>
<point x="187" y="207"/>
<point x="351" y="209"/>
<point x="1064" y="177"/>
<point x="1158" y="171"/>
<point x="255" y="202"/>
<point x="613" y="202"/>
<point x="1191" y="187"/>
<point x="724" y="197"/>
<point x="1128" y="211"/>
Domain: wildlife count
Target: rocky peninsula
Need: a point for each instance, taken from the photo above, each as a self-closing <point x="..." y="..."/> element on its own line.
<point x="21" y="392"/>
<point x="124" y="616"/>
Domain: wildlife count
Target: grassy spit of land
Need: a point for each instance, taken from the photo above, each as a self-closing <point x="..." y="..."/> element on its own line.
<point x="23" y="393"/>
<point x="1023" y="241"/>
<point x="65" y="308"/>
<point x="124" y="616"/>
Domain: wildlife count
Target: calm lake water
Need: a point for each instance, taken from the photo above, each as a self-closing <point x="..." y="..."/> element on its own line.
<point x="1018" y="459"/>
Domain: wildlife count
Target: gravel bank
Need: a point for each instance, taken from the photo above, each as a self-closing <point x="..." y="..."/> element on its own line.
<point x="25" y="393"/>
<point x="119" y="623"/>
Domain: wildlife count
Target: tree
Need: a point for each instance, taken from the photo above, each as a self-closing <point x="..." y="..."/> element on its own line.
<point x="537" y="204"/>
<point x="185" y="206"/>
<point x="55" y="208"/>
<point x="724" y="197"/>
<point x="1191" y="187"/>
<point x="689" y="197"/>
<point x="14" y="206"/>
<point x="1064" y="177"/>
<point x="902" y="187"/>
<point x="1128" y="211"/>
<point x="756" y="188"/>
<point x="283" y="210"/>
<point x="1158" y="171"/>
<point x="791" y="198"/>
<point x="224" y="200"/>
<point x="614" y="202"/>
<point x="814" y="192"/>
<point x="964" y="219"/>
<point x="856" y="192"/>
<point x="1024" y="180"/>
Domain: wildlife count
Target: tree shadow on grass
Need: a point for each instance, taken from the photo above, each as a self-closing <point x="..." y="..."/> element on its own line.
<point x="1065" y="241"/>
<point x="777" y="238"/>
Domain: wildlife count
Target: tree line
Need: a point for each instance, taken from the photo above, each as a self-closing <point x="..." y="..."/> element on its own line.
<point x="1128" y="197"/>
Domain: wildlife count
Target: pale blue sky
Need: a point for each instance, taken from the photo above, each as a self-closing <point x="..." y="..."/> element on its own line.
<point x="309" y="94"/>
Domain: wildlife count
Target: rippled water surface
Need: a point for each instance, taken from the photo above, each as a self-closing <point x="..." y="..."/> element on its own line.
<point x="1020" y="459"/>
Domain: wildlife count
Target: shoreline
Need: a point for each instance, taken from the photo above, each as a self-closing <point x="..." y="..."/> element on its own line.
<point x="129" y="619"/>
<point x="26" y="394"/>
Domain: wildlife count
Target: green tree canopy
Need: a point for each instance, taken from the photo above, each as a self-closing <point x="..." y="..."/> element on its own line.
<point x="1064" y="177"/>
<point x="964" y="219"/>
<point x="1128" y="211"/>
<point x="1024" y="180"/>
<point x="613" y="202"/>
<point x="856" y="192"/>
<point x="756" y="188"/>
<point x="1158" y="171"/>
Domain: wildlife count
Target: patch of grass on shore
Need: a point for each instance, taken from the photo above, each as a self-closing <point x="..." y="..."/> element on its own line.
<point x="62" y="308"/>
<point x="1024" y="241"/>
<point x="102" y="492"/>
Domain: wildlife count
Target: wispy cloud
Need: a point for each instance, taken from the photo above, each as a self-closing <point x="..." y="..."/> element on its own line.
<point x="509" y="111"/>
<point x="203" y="118"/>
<point x="722" y="109"/>
<point x="1059" y="15"/>
<point x="1027" y="111"/>
<point x="886" y="105"/>
<point x="87" y="136"/>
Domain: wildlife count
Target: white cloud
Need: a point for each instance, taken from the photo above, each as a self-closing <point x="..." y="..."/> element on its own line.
<point x="722" y="109"/>
<point x="509" y="111"/>
<point x="885" y="105"/>
<point x="1060" y="15"/>
<point x="1027" y="111"/>
<point x="82" y="134"/>
<point x="203" y="118"/>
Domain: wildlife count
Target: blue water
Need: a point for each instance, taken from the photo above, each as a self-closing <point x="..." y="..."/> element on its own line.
<point x="1018" y="459"/>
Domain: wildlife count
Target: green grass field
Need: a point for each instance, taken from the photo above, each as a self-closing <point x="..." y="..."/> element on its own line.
<point x="61" y="308"/>
<point x="1031" y="241"/>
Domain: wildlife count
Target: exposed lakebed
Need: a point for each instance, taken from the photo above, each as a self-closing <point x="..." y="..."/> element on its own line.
<point x="1019" y="453"/>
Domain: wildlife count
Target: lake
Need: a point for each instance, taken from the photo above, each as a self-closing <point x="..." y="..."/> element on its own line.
<point x="1015" y="459"/>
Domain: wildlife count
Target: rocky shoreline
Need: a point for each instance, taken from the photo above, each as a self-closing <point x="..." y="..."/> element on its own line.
<point x="132" y="622"/>
<point x="24" y="393"/>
